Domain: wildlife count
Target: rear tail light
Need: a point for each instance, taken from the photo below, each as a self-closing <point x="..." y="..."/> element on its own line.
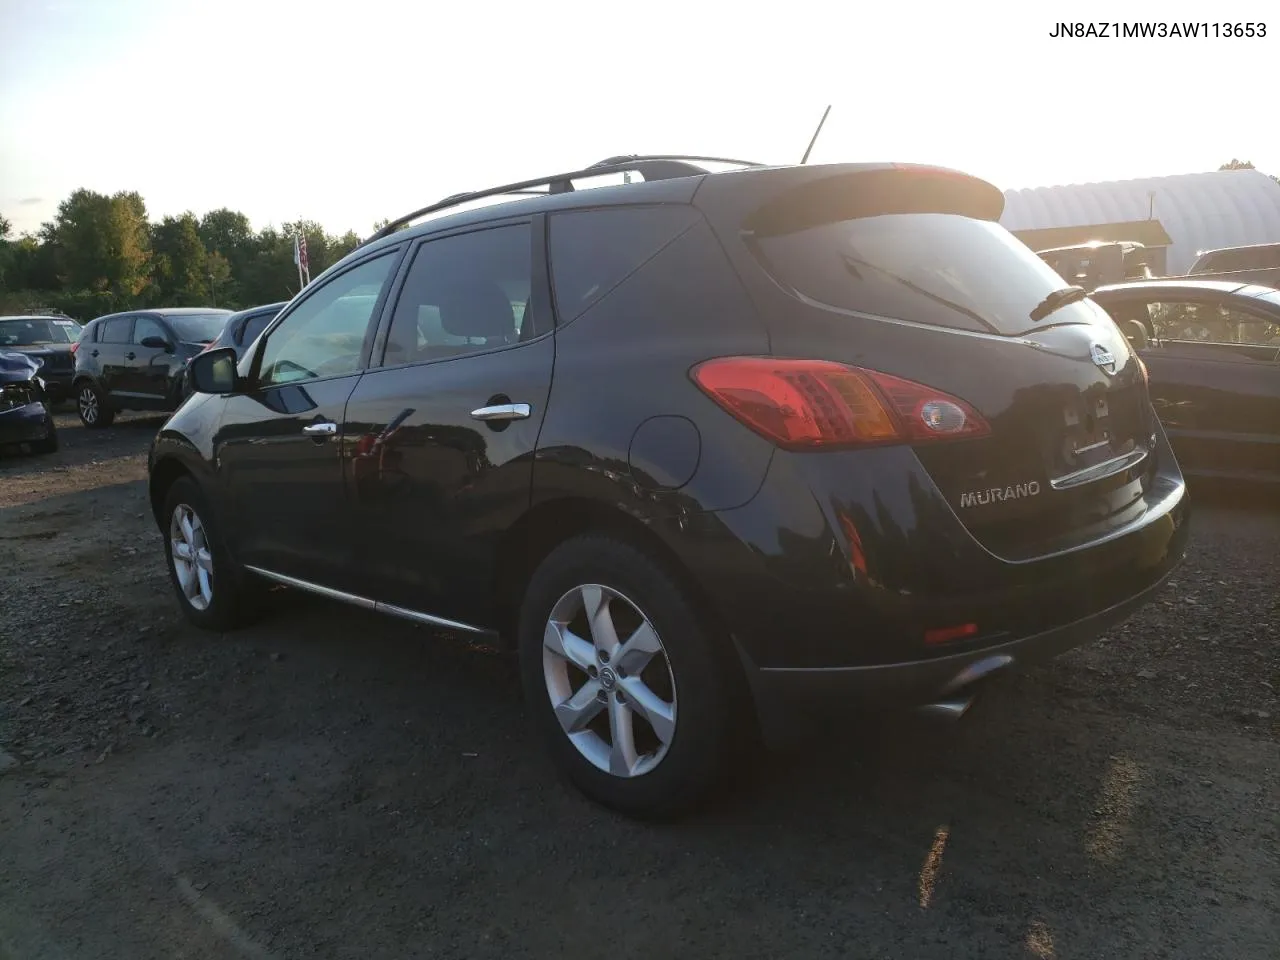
<point x="813" y="404"/>
<point x="209" y="346"/>
<point x="74" y="347"/>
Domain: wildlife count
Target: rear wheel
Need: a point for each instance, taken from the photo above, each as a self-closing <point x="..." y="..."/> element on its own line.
<point x="213" y="592"/>
<point x="92" y="407"/>
<point x="629" y="690"/>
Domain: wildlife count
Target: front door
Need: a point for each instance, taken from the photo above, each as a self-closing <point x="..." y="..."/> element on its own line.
<point x="147" y="368"/>
<point x="443" y="433"/>
<point x="1215" y="384"/>
<point x="279" y="446"/>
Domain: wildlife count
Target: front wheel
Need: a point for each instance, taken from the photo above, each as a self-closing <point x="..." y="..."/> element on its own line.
<point x="92" y="407"/>
<point x="630" y="691"/>
<point x="213" y="592"/>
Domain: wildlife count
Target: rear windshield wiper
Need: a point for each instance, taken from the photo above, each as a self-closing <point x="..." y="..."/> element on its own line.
<point x="1057" y="299"/>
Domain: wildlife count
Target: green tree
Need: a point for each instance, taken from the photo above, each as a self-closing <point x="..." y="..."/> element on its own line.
<point x="101" y="244"/>
<point x="180" y="271"/>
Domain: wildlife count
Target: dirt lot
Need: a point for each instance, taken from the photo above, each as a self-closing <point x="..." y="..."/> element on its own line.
<point x="331" y="784"/>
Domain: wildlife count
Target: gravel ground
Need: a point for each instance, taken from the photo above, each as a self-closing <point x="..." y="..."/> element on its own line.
<point x="330" y="784"/>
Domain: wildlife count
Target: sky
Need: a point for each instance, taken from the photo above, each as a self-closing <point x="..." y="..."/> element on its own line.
<point x="351" y="113"/>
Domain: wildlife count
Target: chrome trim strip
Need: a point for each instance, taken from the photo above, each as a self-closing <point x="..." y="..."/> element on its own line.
<point x="1099" y="471"/>
<point x="365" y="603"/>
<point x="351" y="598"/>
<point x="418" y="617"/>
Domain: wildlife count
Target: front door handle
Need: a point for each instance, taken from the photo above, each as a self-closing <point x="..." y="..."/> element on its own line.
<point x="320" y="429"/>
<point x="130" y="356"/>
<point x="502" y="411"/>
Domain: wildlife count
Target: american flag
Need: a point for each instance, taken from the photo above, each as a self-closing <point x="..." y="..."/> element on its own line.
<point x="300" y="257"/>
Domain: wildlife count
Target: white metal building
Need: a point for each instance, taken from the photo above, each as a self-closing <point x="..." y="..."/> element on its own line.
<point x="1197" y="211"/>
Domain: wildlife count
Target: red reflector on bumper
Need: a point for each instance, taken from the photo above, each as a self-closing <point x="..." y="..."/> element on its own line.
<point x="947" y="634"/>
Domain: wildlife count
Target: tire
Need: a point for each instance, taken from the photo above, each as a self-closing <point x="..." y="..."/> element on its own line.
<point x="687" y="684"/>
<point x="92" y="407"/>
<point x="233" y="597"/>
<point x="50" y="443"/>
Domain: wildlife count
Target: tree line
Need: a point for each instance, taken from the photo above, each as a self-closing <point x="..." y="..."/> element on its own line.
<point x="101" y="254"/>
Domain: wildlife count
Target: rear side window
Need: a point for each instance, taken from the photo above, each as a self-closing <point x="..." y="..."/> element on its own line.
<point x="934" y="268"/>
<point x="464" y="294"/>
<point x="253" y="328"/>
<point x="116" y="331"/>
<point x="592" y="251"/>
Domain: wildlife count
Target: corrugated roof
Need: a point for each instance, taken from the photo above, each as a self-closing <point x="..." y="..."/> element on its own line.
<point x="1198" y="211"/>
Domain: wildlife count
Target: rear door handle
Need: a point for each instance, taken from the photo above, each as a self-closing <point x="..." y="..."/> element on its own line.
<point x="320" y="429"/>
<point x="502" y="411"/>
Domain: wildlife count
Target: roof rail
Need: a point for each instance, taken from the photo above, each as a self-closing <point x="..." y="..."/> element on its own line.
<point x="655" y="167"/>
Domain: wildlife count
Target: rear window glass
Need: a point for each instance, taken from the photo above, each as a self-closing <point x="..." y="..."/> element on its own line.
<point x="197" y="328"/>
<point x="254" y="327"/>
<point x="933" y="268"/>
<point x="592" y="251"/>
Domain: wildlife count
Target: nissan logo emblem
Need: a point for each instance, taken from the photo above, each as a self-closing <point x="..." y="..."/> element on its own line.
<point x="1102" y="357"/>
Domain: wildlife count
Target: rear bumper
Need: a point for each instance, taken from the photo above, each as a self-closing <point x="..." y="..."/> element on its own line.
<point x="788" y="700"/>
<point x="832" y="578"/>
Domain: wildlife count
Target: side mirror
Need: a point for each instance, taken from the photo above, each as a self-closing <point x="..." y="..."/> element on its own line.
<point x="157" y="343"/>
<point x="214" y="371"/>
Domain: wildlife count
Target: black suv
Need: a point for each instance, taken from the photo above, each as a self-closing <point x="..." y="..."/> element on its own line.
<point x="706" y="448"/>
<point x="138" y="360"/>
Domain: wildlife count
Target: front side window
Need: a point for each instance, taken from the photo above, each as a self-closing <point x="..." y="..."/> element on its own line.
<point x="463" y="294"/>
<point x="324" y="336"/>
<point x="1212" y="323"/>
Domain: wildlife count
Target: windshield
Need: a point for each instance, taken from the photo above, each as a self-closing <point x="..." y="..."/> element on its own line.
<point x="29" y="332"/>
<point x="197" y="327"/>
<point x="934" y="268"/>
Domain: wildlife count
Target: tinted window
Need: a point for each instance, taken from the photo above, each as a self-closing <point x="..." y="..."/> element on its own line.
<point x="463" y="294"/>
<point x="592" y="251"/>
<point x="116" y="331"/>
<point x="31" y="331"/>
<point x="253" y="328"/>
<point x="148" y="327"/>
<point x="1212" y="323"/>
<point x="324" y="335"/>
<point x="933" y="268"/>
<point x="197" y="327"/>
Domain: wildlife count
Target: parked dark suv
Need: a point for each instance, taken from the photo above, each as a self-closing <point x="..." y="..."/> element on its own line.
<point x="708" y="449"/>
<point x="138" y="360"/>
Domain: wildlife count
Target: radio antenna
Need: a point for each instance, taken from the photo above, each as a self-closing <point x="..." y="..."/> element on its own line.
<point x="805" y="158"/>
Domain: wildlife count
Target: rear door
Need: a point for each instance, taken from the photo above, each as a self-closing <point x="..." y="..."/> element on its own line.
<point x="442" y="435"/>
<point x="1215" y="381"/>
<point x="109" y="353"/>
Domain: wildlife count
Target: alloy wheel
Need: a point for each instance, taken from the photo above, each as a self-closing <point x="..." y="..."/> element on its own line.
<point x="609" y="680"/>
<point x="192" y="558"/>
<point x="88" y="401"/>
